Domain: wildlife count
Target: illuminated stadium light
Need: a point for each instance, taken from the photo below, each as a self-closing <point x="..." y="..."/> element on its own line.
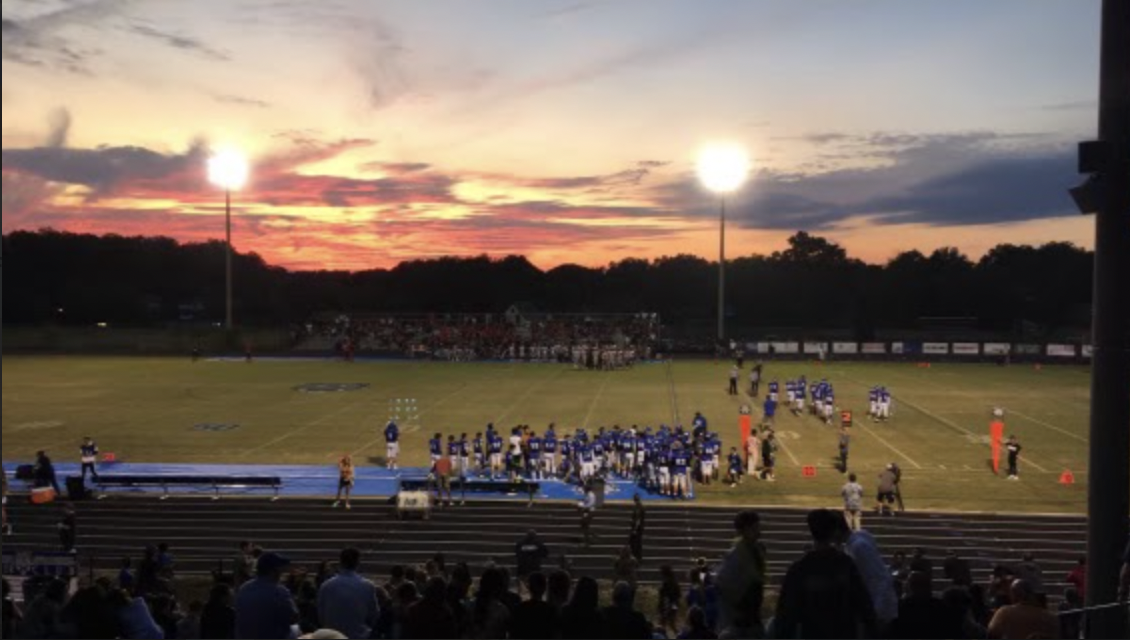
<point x="723" y="169"/>
<point x="228" y="169"/>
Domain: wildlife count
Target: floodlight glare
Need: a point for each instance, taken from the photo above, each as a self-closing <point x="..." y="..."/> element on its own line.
<point x="228" y="170"/>
<point x="723" y="169"/>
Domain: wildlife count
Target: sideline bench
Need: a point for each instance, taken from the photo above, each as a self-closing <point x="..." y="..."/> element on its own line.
<point x="216" y="483"/>
<point x="472" y="485"/>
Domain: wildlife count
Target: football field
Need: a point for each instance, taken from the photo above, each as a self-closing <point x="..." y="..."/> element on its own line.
<point x="309" y="412"/>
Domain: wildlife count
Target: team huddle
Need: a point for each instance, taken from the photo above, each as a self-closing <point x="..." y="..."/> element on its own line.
<point x="665" y="461"/>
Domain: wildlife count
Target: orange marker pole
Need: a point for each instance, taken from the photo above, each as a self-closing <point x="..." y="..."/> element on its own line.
<point x="997" y="437"/>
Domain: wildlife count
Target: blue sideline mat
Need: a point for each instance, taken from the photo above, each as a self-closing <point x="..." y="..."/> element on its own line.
<point x="321" y="482"/>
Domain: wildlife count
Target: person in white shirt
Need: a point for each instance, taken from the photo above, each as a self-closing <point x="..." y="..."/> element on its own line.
<point x="853" y="503"/>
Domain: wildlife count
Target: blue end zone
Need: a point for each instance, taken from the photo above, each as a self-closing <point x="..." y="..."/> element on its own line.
<point x="321" y="482"/>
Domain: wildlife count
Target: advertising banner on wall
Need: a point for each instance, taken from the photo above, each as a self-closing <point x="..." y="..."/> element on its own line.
<point x="936" y="349"/>
<point x="966" y="349"/>
<point x="1088" y="351"/>
<point x="785" y="348"/>
<point x="997" y="349"/>
<point x="898" y="348"/>
<point x="1062" y="351"/>
<point x="815" y="348"/>
<point x="845" y="348"/>
<point x="1028" y="349"/>
<point x="875" y="348"/>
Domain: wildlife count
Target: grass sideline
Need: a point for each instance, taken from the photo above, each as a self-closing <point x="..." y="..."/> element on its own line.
<point x="149" y="409"/>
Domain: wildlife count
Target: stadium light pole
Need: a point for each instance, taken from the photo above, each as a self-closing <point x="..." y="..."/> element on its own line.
<point x="228" y="170"/>
<point x="723" y="169"/>
<point x="1108" y="160"/>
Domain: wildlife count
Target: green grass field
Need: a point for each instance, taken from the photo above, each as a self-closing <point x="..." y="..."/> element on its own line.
<point x="146" y="410"/>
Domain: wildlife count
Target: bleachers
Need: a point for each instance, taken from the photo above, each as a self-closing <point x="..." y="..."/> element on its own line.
<point x="203" y="534"/>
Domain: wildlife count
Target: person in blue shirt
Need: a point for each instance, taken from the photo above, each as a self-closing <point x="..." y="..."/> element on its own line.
<point x="699" y="424"/>
<point x="587" y="455"/>
<point x="549" y="454"/>
<point x="392" y="445"/>
<point x="464" y="456"/>
<point x="680" y="472"/>
<point x="535" y="448"/>
<point x="775" y="391"/>
<point x="829" y="406"/>
<point x="496" y="445"/>
<point x="736" y="468"/>
<point x="884" y="413"/>
<point x="801" y="396"/>
<point x="435" y="448"/>
<point x="479" y="451"/>
<point x="770" y="411"/>
<point x="89" y="454"/>
<point x="597" y="451"/>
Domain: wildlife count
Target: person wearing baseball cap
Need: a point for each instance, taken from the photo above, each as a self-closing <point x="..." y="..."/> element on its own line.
<point x="264" y="609"/>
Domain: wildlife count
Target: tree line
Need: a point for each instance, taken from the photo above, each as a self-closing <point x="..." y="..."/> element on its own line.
<point x="78" y="279"/>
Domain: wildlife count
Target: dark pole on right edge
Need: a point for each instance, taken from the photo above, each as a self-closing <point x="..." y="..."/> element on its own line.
<point x="1108" y="496"/>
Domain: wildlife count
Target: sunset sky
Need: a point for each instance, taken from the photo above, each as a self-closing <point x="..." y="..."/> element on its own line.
<point x="563" y="130"/>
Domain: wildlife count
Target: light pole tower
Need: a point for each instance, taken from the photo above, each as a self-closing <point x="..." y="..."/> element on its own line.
<point x="228" y="170"/>
<point x="1107" y="194"/>
<point x="723" y="169"/>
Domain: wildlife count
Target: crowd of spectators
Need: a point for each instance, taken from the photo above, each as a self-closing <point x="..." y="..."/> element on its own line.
<point x="840" y="588"/>
<point x="479" y="337"/>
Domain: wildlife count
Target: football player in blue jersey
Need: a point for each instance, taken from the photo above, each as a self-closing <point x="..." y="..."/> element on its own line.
<point x="392" y="445"/>
<point x="435" y="448"/>
<point x="736" y="468"/>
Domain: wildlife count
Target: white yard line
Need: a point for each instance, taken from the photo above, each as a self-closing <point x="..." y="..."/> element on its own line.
<point x="890" y="446"/>
<point x="1050" y="426"/>
<point x="595" y="401"/>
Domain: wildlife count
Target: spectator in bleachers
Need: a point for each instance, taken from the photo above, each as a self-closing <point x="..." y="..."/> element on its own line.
<point x="509" y="599"/>
<point x="1032" y="575"/>
<point x="490" y="618"/>
<point x="135" y="618"/>
<point x="166" y="616"/>
<point x="306" y="600"/>
<point x="431" y="618"/>
<point x="697" y="627"/>
<point x="742" y="579"/>
<point x="863" y="549"/>
<point x="1078" y="579"/>
<point x="68" y="530"/>
<point x="244" y="565"/>
<point x="621" y="620"/>
<point x="348" y="602"/>
<point x="264" y="610"/>
<point x="535" y="619"/>
<point x="670" y="600"/>
<point x="1024" y="618"/>
<point x="406" y="596"/>
<point x="13" y="617"/>
<point x="703" y="595"/>
<point x="165" y="561"/>
<point x="43" y="617"/>
<point x="125" y="576"/>
<point x="217" y="622"/>
<point x="189" y="627"/>
<point x="626" y="568"/>
<point x="560" y="589"/>
<point x="148" y="580"/>
<point x="823" y="595"/>
<point x="89" y="615"/>
<point x="956" y="570"/>
<point x="529" y="554"/>
<point x="581" y="619"/>
<point x="1071" y="624"/>
<point x="921" y="615"/>
<point x="960" y="600"/>
<point x="395" y="579"/>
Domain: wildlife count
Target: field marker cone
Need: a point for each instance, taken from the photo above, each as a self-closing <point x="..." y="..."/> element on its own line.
<point x="1067" y="478"/>
<point x="809" y="472"/>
